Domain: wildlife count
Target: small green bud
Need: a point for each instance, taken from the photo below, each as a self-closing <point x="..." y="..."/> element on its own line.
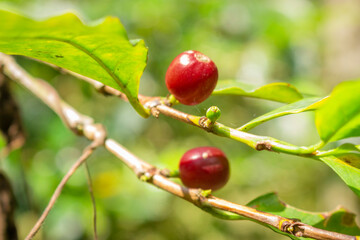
<point x="170" y="173"/>
<point x="213" y="113"/>
<point x="145" y="177"/>
<point x="205" y="193"/>
<point x="172" y="100"/>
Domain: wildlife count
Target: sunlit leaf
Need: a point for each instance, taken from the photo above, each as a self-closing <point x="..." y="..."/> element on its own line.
<point x="303" y="105"/>
<point x="339" y="116"/>
<point x="102" y="52"/>
<point x="339" y="220"/>
<point x="344" y="149"/>
<point x="280" y="92"/>
<point x="347" y="167"/>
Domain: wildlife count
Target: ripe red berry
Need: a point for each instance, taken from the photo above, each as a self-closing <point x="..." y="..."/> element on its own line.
<point x="191" y="77"/>
<point x="204" y="167"/>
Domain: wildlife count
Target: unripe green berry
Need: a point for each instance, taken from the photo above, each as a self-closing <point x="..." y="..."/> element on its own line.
<point x="213" y="113"/>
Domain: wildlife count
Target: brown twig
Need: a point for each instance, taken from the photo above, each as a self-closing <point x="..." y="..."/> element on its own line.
<point x="158" y="105"/>
<point x="90" y="187"/>
<point x="86" y="154"/>
<point x="194" y="196"/>
<point x="162" y="108"/>
<point x="152" y="175"/>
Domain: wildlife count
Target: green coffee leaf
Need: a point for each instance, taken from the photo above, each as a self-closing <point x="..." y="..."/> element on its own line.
<point x="352" y="159"/>
<point x="339" y="116"/>
<point x="342" y="150"/>
<point x="303" y="105"/>
<point x="348" y="168"/>
<point x="102" y="52"/>
<point x="279" y="92"/>
<point x="339" y="220"/>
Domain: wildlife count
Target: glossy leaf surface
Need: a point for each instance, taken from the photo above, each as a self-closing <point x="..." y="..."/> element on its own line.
<point x="339" y="116"/>
<point x="102" y="52"/>
<point x="338" y="220"/>
<point x="303" y="105"/>
<point x="279" y="92"/>
<point x="348" y="168"/>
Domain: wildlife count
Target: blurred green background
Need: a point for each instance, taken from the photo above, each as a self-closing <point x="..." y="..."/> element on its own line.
<point x="311" y="44"/>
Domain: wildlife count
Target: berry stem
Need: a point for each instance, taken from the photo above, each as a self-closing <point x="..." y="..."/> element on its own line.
<point x="264" y="143"/>
<point x="172" y="100"/>
<point x="170" y="173"/>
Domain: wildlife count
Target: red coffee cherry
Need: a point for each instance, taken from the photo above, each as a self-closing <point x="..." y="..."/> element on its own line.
<point x="204" y="167"/>
<point x="191" y="77"/>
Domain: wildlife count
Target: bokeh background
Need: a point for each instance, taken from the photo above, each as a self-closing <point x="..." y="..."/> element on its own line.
<point x="313" y="45"/>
